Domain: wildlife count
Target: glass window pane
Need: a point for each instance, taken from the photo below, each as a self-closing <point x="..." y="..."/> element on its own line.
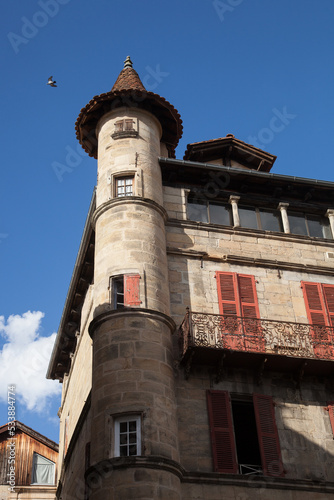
<point x="132" y="426"/>
<point x="270" y="220"/>
<point x="198" y="212"/>
<point x="318" y="227"/>
<point x="220" y="214"/>
<point x="248" y="217"/>
<point x="297" y="224"/>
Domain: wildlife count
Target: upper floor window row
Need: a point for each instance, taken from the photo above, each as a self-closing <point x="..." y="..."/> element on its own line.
<point x="265" y="219"/>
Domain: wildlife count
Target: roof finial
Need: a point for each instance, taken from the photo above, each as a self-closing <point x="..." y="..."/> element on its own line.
<point x="128" y="63"/>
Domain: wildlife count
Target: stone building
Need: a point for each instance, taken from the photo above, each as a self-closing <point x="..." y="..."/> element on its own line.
<point x="196" y="345"/>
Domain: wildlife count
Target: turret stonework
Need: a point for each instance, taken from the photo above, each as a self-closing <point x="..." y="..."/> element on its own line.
<point x="196" y="346"/>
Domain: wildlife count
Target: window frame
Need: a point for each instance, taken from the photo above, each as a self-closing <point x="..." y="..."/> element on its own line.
<point x="306" y="217"/>
<point x="206" y="204"/>
<point x="130" y="290"/>
<point x="224" y="451"/>
<point x="124" y="178"/>
<point x="35" y="455"/>
<point x="117" y="444"/>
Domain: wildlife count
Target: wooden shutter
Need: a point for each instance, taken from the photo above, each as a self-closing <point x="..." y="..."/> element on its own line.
<point x="221" y="430"/>
<point x="268" y="435"/>
<point x="248" y="298"/>
<point x="315" y="306"/>
<point x="228" y="293"/>
<point x="131" y="290"/>
<point x="331" y="413"/>
<point x="328" y="291"/>
<point x="319" y="301"/>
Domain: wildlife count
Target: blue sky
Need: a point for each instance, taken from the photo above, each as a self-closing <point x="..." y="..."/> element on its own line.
<point x="260" y="69"/>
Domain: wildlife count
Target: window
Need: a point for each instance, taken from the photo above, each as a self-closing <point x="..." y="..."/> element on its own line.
<point x="125" y="291"/>
<point x="244" y="435"/>
<point x="124" y="186"/>
<point x="204" y="211"/>
<point x="260" y="218"/>
<point x="237" y="298"/>
<point x="43" y="470"/>
<point x="125" y="128"/>
<point x="124" y="125"/>
<point x="319" y="301"/>
<point x="309" y="225"/>
<point x="127" y="436"/>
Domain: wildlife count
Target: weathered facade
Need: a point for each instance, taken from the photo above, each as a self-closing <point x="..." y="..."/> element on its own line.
<point x="196" y="344"/>
<point x="28" y="464"/>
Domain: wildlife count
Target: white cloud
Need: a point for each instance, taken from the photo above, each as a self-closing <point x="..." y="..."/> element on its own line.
<point x="24" y="360"/>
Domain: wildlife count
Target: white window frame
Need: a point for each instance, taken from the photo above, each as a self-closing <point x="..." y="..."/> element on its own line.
<point x="117" y="422"/>
<point x="124" y="178"/>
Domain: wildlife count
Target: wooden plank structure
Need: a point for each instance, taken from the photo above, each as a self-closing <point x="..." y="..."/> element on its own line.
<point x="27" y="441"/>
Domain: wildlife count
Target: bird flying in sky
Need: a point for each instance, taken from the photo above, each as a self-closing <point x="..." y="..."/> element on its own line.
<point x="51" y="82"/>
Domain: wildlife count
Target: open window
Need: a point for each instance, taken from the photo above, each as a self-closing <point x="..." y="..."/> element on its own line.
<point x="127" y="436"/>
<point x="43" y="470"/>
<point x="244" y="435"/>
<point x="125" y="291"/>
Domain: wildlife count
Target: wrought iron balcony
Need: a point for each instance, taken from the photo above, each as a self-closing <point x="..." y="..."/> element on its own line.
<point x="279" y="344"/>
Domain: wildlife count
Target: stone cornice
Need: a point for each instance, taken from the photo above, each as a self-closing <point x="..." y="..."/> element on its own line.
<point x="244" y="231"/>
<point x="254" y="261"/>
<point x="119" y="313"/>
<point x="137" y="200"/>
<point x="105" y="468"/>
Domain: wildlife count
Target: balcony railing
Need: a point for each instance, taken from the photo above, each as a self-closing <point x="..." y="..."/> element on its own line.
<point x="282" y="338"/>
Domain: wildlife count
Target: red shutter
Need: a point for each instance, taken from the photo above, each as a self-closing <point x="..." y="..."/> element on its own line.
<point x="268" y="435"/>
<point x="131" y="290"/>
<point x="315" y="307"/>
<point x="317" y="297"/>
<point x="221" y="430"/>
<point x="248" y="297"/>
<point x="228" y="298"/>
<point x="331" y="413"/>
<point x="253" y="337"/>
<point x="228" y="293"/>
<point x="328" y="291"/>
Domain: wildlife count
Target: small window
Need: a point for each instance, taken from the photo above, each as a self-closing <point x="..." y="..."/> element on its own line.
<point x="124" y="186"/>
<point x="125" y="291"/>
<point x="125" y="128"/>
<point x="127" y="436"/>
<point x="43" y="470"/>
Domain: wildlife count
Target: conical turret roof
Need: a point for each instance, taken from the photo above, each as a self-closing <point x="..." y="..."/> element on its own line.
<point x="129" y="91"/>
<point x="128" y="79"/>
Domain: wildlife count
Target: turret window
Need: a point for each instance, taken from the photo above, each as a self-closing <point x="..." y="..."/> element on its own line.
<point x="128" y="127"/>
<point x="124" y="186"/>
<point x="127" y="436"/>
<point x="125" y="291"/>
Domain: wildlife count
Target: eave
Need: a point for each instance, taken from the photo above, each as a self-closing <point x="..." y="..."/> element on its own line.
<point x="82" y="277"/>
